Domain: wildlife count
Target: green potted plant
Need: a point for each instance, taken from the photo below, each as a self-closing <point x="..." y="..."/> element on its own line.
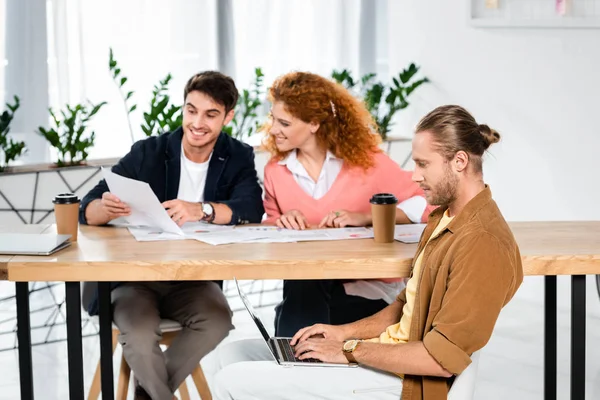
<point x="163" y="116"/>
<point x="383" y="101"/>
<point x="11" y="149"/>
<point x="245" y="122"/>
<point x="69" y="136"/>
<point x="120" y="81"/>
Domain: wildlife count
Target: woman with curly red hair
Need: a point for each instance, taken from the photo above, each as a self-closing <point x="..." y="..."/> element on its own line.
<point x="325" y="166"/>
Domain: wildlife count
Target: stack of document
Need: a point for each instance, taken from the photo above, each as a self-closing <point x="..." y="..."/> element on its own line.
<point x="271" y="234"/>
<point x="191" y="230"/>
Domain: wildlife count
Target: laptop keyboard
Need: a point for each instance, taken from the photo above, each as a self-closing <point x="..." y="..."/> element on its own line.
<point x="288" y="351"/>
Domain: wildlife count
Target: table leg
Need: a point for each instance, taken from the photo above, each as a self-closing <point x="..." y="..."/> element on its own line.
<point x="550" y="329"/>
<point x="24" y="337"/>
<point x="578" y="337"/>
<point x="106" y="355"/>
<point x="74" y="344"/>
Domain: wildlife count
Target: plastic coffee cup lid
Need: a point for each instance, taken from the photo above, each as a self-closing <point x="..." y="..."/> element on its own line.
<point x="66" y="198"/>
<point x="384" y="198"/>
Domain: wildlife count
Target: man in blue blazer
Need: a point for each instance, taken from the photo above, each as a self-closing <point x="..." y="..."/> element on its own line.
<point x="198" y="173"/>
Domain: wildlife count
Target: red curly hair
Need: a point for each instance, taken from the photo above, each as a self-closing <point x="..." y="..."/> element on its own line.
<point x="350" y="132"/>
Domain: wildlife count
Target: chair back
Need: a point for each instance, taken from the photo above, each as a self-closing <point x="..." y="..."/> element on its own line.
<point x="463" y="387"/>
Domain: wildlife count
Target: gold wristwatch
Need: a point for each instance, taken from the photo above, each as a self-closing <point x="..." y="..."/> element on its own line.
<point x="349" y="347"/>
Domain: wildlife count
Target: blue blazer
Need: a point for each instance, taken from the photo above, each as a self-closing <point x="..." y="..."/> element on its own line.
<point x="231" y="178"/>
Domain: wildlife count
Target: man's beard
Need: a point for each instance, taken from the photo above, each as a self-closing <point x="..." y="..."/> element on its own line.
<point x="444" y="193"/>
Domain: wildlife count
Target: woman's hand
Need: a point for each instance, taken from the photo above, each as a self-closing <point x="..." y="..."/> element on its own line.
<point x="343" y="218"/>
<point x="292" y="219"/>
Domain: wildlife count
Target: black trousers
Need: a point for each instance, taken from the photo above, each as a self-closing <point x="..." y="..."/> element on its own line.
<point x="308" y="302"/>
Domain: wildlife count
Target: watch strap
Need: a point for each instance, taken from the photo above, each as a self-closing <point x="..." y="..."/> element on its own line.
<point x="350" y="357"/>
<point x="211" y="217"/>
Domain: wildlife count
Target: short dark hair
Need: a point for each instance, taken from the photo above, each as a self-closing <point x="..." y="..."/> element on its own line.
<point x="220" y="87"/>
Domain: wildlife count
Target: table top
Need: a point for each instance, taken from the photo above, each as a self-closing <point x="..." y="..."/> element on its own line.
<point x="112" y="254"/>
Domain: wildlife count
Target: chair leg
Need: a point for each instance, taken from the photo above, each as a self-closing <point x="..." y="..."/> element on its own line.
<point x="201" y="383"/>
<point x="94" y="392"/>
<point x="123" y="382"/>
<point x="183" y="391"/>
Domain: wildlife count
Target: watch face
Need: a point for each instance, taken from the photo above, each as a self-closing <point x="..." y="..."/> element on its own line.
<point x="350" y="345"/>
<point x="207" y="209"/>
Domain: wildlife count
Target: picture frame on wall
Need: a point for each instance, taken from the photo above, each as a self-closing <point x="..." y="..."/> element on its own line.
<point x="566" y="14"/>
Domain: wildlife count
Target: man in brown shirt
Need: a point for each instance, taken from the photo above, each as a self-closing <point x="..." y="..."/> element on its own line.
<point x="467" y="267"/>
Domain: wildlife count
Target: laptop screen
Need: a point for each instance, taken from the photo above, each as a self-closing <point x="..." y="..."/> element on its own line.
<point x="250" y="309"/>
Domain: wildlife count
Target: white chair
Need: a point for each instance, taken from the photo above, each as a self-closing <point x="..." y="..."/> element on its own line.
<point x="463" y="387"/>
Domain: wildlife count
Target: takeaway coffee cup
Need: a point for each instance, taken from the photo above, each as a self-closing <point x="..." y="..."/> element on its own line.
<point x="66" y="211"/>
<point x="383" y="211"/>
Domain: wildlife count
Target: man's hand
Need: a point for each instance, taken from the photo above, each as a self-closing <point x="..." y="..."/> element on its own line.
<point x="326" y="350"/>
<point x="292" y="219"/>
<point x="331" y="332"/>
<point x="113" y="207"/>
<point x="183" y="211"/>
<point x="343" y="218"/>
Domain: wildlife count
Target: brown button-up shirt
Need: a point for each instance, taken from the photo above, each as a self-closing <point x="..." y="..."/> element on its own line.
<point x="469" y="272"/>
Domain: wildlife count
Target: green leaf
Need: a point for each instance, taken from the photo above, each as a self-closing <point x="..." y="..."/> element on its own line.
<point x="96" y="108"/>
<point x="133" y="108"/>
<point x="228" y="130"/>
<point x="415" y="85"/>
<point x="367" y="78"/>
<point x="123" y="80"/>
<point x="391" y="97"/>
<point x="147" y="118"/>
<point x="408" y="73"/>
<point x="129" y="94"/>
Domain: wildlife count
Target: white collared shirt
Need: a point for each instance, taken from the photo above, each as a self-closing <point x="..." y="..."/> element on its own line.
<point x="329" y="172"/>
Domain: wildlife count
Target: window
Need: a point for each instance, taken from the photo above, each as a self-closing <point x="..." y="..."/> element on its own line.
<point x="2" y="47"/>
<point x="311" y="35"/>
<point x="150" y="38"/>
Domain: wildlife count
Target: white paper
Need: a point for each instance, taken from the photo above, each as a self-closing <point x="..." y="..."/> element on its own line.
<point x="409" y="233"/>
<point x="270" y="234"/>
<point x="146" y="210"/>
<point x="235" y="236"/>
<point x="191" y="230"/>
<point x="310" y="235"/>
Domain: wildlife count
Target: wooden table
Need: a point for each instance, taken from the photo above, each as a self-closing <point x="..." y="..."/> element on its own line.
<point x="111" y="254"/>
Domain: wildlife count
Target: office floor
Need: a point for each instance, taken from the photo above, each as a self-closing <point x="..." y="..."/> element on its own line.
<point x="511" y="365"/>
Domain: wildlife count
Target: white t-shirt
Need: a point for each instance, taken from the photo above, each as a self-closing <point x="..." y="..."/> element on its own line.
<point x="192" y="179"/>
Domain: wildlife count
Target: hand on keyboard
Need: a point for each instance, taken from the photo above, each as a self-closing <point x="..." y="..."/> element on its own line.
<point x="325" y="350"/>
<point x="331" y="332"/>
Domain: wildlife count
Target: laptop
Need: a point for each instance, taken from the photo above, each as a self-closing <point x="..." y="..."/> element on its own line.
<point x="280" y="347"/>
<point x="31" y="244"/>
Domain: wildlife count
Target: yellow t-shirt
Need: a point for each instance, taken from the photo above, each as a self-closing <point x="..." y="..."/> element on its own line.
<point x="398" y="333"/>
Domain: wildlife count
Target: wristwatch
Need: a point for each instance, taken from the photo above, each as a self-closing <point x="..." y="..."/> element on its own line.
<point x="209" y="212"/>
<point x="349" y="347"/>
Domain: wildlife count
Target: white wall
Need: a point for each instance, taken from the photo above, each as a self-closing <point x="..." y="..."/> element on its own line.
<point x="539" y="88"/>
